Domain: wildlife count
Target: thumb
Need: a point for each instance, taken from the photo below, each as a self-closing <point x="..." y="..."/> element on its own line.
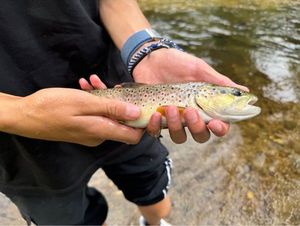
<point x="225" y="81"/>
<point x="112" y="109"/>
<point x="121" y="110"/>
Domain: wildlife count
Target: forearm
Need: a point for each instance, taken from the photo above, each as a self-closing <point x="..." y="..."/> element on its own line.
<point x="122" y="18"/>
<point x="8" y="111"/>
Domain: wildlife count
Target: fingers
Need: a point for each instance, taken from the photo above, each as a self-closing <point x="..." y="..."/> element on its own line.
<point x="85" y="85"/>
<point x="206" y="73"/>
<point x="228" y="82"/>
<point x="192" y="119"/>
<point x="174" y="123"/>
<point x="95" y="83"/>
<point x="196" y="125"/>
<point x="100" y="128"/>
<point x="218" y="127"/>
<point x="222" y="80"/>
<point x="154" y="125"/>
<point x="117" y="132"/>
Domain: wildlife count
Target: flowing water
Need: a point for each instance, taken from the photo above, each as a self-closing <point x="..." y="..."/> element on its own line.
<point x="253" y="175"/>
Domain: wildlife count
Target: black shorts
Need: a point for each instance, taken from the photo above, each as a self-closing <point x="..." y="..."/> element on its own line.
<point x="144" y="180"/>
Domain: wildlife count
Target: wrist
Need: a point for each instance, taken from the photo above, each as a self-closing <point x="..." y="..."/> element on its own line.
<point x="9" y="112"/>
<point x="147" y="49"/>
<point x="136" y="41"/>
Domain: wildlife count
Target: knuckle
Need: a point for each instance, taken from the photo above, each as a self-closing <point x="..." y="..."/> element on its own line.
<point x="135" y="139"/>
<point x="93" y="143"/>
<point x="112" y="109"/>
<point x="94" y="135"/>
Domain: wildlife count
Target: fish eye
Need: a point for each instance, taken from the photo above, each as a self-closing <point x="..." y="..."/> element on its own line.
<point x="237" y="93"/>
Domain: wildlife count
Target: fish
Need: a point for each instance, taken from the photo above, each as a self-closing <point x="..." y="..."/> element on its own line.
<point x="225" y="103"/>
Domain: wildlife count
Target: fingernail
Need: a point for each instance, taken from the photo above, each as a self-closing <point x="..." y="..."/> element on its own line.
<point x="192" y="116"/>
<point x="132" y="111"/>
<point x="243" y="88"/>
<point x="155" y="135"/>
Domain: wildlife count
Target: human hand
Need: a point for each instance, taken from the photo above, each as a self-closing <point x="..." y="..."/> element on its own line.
<point x="177" y="133"/>
<point x="169" y="66"/>
<point x="75" y="116"/>
<point x="172" y="65"/>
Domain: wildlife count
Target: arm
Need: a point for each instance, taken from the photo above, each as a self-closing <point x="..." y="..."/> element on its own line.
<point x="122" y="18"/>
<point x="7" y="103"/>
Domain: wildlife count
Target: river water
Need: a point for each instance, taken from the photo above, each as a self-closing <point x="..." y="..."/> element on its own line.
<point x="251" y="176"/>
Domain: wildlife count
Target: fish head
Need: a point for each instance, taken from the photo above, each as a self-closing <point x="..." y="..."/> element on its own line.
<point x="226" y="103"/>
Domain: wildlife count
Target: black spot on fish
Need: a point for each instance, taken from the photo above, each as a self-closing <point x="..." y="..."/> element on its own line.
<point x="223" y="91"/>
<point x="236" y="93"/>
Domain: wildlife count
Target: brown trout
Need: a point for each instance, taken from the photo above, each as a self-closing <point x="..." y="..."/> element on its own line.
<point x="212" y="102"/>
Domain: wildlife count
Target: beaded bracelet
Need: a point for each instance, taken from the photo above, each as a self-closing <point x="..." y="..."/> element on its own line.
<point x="141" y="54"/>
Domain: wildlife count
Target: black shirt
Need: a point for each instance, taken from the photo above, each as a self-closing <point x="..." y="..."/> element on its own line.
<point x="52" y="43"/>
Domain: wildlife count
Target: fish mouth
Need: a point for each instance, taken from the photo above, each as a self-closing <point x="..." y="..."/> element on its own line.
<point x="248" y="109"/>
<point x="252" y="100"/>
<point x="241" y="110"/>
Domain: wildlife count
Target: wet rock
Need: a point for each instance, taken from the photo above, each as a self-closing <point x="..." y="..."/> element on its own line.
<point x="272" y="170"/>
<point x="259" y="160"/>
<point x="290" y="125"/>
<point x="295" y="159"/>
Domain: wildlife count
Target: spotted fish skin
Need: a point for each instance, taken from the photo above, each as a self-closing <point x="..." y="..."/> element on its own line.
<point x="150" y="98"/>
<point x="177" y="94"/>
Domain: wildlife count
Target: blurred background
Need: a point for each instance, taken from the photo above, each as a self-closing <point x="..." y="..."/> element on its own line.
<point x="251" y="176"/>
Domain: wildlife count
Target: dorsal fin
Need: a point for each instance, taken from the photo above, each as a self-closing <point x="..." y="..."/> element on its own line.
<point x="131" y="84"/>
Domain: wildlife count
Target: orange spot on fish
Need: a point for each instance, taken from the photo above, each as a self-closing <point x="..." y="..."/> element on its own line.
<point x="162" y="110"/>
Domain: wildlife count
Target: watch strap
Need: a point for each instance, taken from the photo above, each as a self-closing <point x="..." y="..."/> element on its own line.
<point x="135" y="41"/>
